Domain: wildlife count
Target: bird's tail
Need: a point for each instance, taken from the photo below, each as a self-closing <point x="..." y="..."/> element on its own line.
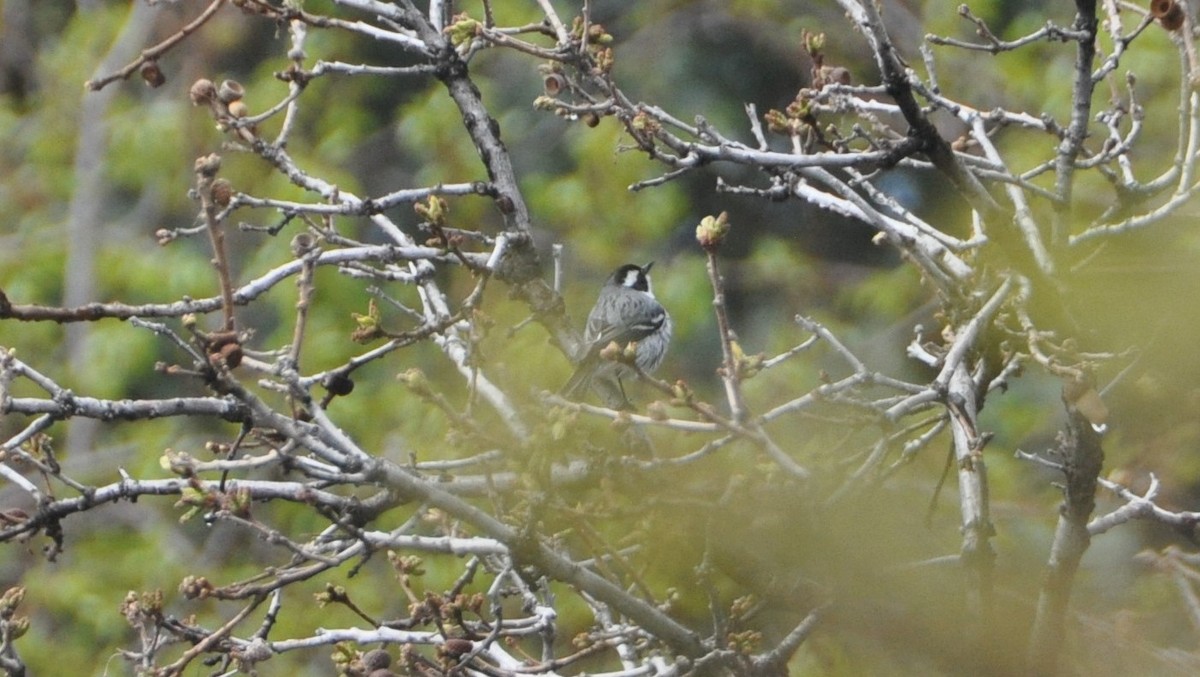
<point x="581" y="380"/>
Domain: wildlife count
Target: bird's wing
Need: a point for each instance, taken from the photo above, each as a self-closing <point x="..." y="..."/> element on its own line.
<point x="637" y="318"/>
<point x="622" y="325"/>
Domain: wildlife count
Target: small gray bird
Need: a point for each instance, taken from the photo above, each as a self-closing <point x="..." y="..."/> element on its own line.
<point x="625" y="312"/>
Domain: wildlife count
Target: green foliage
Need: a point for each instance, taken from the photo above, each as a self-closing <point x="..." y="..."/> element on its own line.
<point x="579" y="207"/>
<point x="441" y="151"/>
<point x="137" y="131"/>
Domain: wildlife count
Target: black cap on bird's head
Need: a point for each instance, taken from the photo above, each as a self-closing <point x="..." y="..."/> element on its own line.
<point x="632" y="276"/>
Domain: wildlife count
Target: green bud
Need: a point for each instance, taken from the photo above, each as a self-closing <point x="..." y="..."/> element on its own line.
<point x="712" y="230"/>
<point x="462" y="30"/>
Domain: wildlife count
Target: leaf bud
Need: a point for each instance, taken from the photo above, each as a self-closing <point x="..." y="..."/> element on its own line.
<point x="11" y="599"/>
<point x="611" y="351"/>
<point x="657" y="410"/>
<point x="777" y="122"/>
<point x="712" y="231"/>
<point x="195" y="587"/>
<point x="17" y="627"/>
<point x="814" y="42"/>
<point x="462" y="30"/>
<point x="433" y="210"/>
<point x="642" y="122"/>
<point x="681" y="392"/>
<point x="629" y="354"/>
<point x="208" y="165"/>
<point x="416" y="381"/>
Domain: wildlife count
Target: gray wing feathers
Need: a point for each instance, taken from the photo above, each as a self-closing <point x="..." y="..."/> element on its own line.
<point x="623" y="316"/>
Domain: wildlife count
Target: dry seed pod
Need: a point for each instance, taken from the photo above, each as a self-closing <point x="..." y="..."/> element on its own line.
<point x="1168" y="12"/>
<point x="339" y="384"/>
<point x="302" y="244"/>
<point x="376" y="659"/>
<point x="224" y="347"/>
<point x="456" y="647"/>
<point x="554" y="83"/>
<point x="152" y="74"/>
<point x="839" y="75"/>
<point x="202" y="91"/>
<point x="230" y="354"/>
<point x="230" y="91"/>
<point x="222" y="192"/>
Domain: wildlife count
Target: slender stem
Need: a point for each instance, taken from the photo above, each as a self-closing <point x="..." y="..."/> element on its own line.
<point x="216" y="235"/>
<point x="153" y="53"/>
<point x="730" y="372"/>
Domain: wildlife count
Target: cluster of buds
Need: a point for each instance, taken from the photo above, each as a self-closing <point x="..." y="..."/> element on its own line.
<point x="435" y="210"/>
<point x="14" y="626"/>
<point x="226" y="103"/>
<point x="798" y="117"/>
<point x="140" y="608"/>
<point x="599" y="43"/>
<point x="794" y="119"/>
<point x="822" y="73"/>
<point x="463" y="29"/>
<point x="196" y="587"/>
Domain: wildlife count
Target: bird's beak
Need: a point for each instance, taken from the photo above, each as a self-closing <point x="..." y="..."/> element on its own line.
<point x="646" y="268"/>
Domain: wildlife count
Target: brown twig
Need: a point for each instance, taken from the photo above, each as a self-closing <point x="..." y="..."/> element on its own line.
<point x="190" y="655"/>
<point x="206" y="172"/>
<point x="153" y="53"/>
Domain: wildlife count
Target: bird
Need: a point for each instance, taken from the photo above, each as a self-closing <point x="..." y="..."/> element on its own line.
<point x="625" y="312"/>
